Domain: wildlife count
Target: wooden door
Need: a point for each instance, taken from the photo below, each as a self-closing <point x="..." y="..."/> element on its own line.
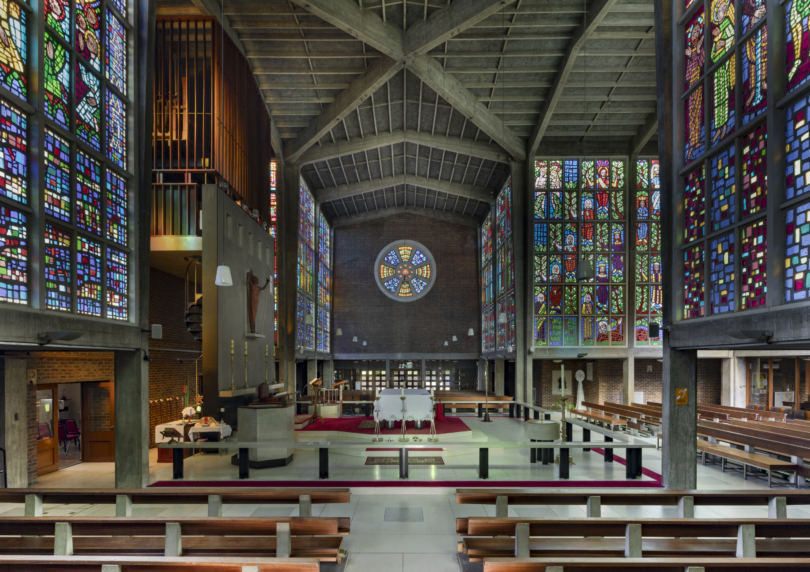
<point x="98" y="422"/>
<point x="47" y="429"/>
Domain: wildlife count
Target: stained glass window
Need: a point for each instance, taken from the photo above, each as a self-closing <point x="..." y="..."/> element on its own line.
<point x="723" y="111"/>
<point x="695" y="205"/>
<point x="487" y="286"/>
<point x="723" y="207"/>
<point x="88" y="193"/>
<point x="722" y="26"/>
<point x="584" y="224"/>
<point x="694" y="282"/>
<point x="13" y="256"/>
<point x="506" y="269"/>
<point x="116" y="56"/>
<point x="57" y="16"/>
<point x="324" y="284"/>
<point x="753" y="259"/>
<point x="14" y="50"/>
<point x="57" y="81"/>
<point x="797" y="176"/>
<point x="722" y="274"/>
<point x="13" y="153"/>
<point x="88" y="31"/>
<point x="797" y="231"/>
<point x="797" y="50"/>
<point x="648" y="270"/>
<point x="121" y="5"/>
<point x="754" y="171"/>
<point x="695" y="125"/>
<point x="117" y="294"/>
<point x="116" y="130"/>
<point x="305" y="310"/>
<point x="57" y="176"/>
<point x="116" y="208"/>
<point x="88" y="113"/>
<point x="57" y="268"/>
<point x="405" y="271"/>
<point x="694" y="53"/>
<point x="88" y="276"/>
<point x="273" y="225"/>
<point x="755" y="72"/>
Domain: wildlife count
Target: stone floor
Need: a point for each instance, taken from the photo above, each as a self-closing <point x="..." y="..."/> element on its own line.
<point x="384" y="538"/>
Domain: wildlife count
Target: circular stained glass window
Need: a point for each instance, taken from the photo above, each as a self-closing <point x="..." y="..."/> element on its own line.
<point x="405" y="270"/>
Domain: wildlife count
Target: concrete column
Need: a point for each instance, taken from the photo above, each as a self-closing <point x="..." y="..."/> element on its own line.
<point x="287" y="251"/>
<point x="483" y="373"/>
<point x="329" y="373"/>
<point x="628" y="379"/>
<point x="523" y="236"/>
<point x="13" y="420"/>
<point x="131" y="420"/>
<point x="680" y="421"/>
<point x="500" y="373"/>
<point x="732" y="392"/>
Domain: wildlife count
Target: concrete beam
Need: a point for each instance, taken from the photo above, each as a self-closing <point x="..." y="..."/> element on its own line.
<point x="470" y="147"/>
<point x="361" y="88"/>
<point x="595" y="15"/>
<point x="354" y="189"/>
<point x="364" y="25"/>
<point x="644" y="134"/>
<point x="131" y="420"/>
<point x="454" y="92"/>
<point x="451" y="21"/>
<point x="454" y="218"/>
<point x="679" y="409"/>
<point x="212" y="8"/>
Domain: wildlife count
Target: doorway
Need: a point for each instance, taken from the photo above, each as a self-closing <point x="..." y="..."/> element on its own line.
<point x="69" y="409"/>
<point x="47" y="430"/>
<point x="98" y="421"/>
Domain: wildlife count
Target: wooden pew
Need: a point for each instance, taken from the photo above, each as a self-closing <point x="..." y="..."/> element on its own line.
<point x="628" y="413"/>
<point x="214" y="497"/>
<point x="735" y="413"/>
<point x="694" y="564"/>
<point x="773" y="427"/>
<point x="594" y="500"/>
<point x="296" y="537"/>
<point x="726" y="453"/>
<point x="632" y="537"/>
<point x="151" y="563"/>
<point x="611" y="421"/>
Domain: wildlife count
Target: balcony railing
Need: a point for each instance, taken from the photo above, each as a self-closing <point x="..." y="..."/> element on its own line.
<point x="176" y="209"/>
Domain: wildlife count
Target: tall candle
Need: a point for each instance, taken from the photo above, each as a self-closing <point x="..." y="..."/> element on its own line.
<point x="266" y="351"/>
<point x="231" y="347"/>
<point x="245" y="348"/>
<point x="432" y="392"/>
<point x="403" y="392"/>
<point x="378" y="393"/>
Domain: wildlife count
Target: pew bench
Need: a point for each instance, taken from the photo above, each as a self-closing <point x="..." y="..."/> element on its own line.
<point x="631" y="537"/>
<point x="123" y="499"/>
<point x="150" y="563"/>
<point x="599" y="418"/>
<point x="694" y="564"/>
<point x="284" y="537"/>
<point x="768" y="464"/>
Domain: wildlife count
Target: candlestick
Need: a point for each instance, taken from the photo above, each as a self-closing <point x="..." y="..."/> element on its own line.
<point x="246" y="367"/>
<point x="266" y="350"/>
<point x="266" y="361"/>
<point x="231" y="347"/>
<point x="246" y="348"/>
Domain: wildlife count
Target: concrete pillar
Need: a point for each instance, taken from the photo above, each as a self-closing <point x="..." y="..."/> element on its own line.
<point x="33" y="505"/>
<point x="123" y="505"/>
<point x="777" y="507"/>
<point x="632" y="541"/>
<point x="732" y="391"/>
<point x="628" y="379"/>
<point x="594" y="507"/>
<point x="63" y="539"/>
<point x="746" y="541"/>
<point x="287" y="251"/>
<point x="131" y="420"/>
<point x="329" y="373"/>
<point x="679" y="461"/>
<point x="523" y="236"/>
<point x="173" y="546"/>
<point x="522" y="548"/>
<point x="483" y="369"/>
<point x="214" y="505"/>
<point x="502" y="506"/>
<point x="13" y="420"/>
<point x="283" y="540"/>
<point x="500" y="374"/>
<point x="304" y="506"/>
<point x="686" y="507"/>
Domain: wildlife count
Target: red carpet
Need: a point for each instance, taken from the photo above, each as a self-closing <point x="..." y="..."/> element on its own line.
<point x="414" y="484"/>
<point x="351" y="425"/>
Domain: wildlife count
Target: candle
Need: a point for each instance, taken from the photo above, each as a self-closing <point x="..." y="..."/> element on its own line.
<point x="432" y="392"/>
<point x="245" y="348"/>
<point x="231" y="347"/>
<point x="403" y="392"/>
<point x="378" y="393"/>
<point x="266" y="351"/>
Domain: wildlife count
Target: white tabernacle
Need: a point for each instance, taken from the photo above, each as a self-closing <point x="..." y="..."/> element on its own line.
<point x="417" y="404"/>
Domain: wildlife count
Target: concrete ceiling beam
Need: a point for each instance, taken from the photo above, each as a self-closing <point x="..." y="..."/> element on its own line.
<point x="353" y="189"/>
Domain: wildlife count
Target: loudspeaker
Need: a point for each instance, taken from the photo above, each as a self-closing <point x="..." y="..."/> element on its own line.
<point x="655" y="330"/>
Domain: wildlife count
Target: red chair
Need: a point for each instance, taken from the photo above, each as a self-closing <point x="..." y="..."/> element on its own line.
<point x="63" y="442"/>
<point x="43" y="431"/>
<point x="73" y="433"/>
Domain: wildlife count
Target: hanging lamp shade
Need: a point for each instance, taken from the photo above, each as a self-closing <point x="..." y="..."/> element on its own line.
<point x="470" y="332"/>
<point x="354" y="339"/>
<point x="502" y="318"/>
<point x="455" y="339"/>
<point x="223" y="276"/>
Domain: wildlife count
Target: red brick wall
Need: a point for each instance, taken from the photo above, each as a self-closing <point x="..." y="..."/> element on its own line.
<point x="709" y="380"/>
<point x="31" y="423"/>
<point x="650" y="382"/>
<point x="172" y="358"/>
<point x="422" y="326"/>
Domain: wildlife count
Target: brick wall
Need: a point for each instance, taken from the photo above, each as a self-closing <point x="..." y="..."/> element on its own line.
<point x="31" y="423"/>
<point x="172" y="358"/>
<point x="422" y="326"/>
<point x="606" y="385"/>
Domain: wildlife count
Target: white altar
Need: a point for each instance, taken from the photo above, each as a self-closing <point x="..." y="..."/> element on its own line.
<point x="223" y="429"/>
<point x="417" y="405"/>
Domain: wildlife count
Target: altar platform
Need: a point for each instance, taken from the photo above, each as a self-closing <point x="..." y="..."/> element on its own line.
<point x="449" y="428"/>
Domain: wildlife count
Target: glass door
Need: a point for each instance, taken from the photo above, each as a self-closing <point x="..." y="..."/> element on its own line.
<point x="47" y="430"/>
